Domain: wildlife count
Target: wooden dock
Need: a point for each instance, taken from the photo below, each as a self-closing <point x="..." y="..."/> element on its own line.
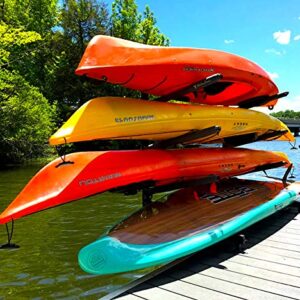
<point x="268" y="269"/>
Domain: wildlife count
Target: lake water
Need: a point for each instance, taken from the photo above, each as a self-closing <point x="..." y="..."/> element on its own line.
<point x="46" y="264"/>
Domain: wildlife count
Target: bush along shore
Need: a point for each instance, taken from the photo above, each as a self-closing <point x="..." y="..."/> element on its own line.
<point x="41" y="44"/>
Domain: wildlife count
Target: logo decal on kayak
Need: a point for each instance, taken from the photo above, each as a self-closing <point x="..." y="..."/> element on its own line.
<point x="99" y="179"/>
<point x="227" y="194"/>
<point x="134" y="119"/>
<point x="197" y="69"/>
<point x="239" y="126"/>
<point x="226" y="167"/>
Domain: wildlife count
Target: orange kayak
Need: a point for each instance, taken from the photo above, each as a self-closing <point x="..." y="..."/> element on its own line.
<point x="164" y="71"/>
<point x="88" y="173"/>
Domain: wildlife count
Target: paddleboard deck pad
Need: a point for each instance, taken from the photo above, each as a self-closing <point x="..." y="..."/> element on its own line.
<point x="187" y="221"/>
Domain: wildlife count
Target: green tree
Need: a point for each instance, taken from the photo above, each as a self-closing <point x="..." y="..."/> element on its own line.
<point x="125" y="19"/>
<point x="26" y="116"/>
<point x="40" y="16"/>
<point x="32" y="15"/>
<point x="128" y="23"/>
<point x="79" y="21"/>
<point x="148" y="32"/>
<point x="41" y="44"/>
<point x="288" y="114"/>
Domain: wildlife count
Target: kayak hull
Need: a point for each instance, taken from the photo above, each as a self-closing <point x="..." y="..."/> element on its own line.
<point x="111" y="118"/>
<point x="164" y="70"/>
<point x="84" y="174"/>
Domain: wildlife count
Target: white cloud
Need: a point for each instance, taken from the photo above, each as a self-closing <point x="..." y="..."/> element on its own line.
<point x="228" y="41"/>
<point x="297" y="37"/>
<point x="282" y="37"/>
<point x="292" y="103"/>
<point x="288" y="103"/>
<point x="274" y="51"/>
<point x="273" y="75"/>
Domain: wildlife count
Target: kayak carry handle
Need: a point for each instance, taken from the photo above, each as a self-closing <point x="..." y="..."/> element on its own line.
<point x="193" y="88"/>
<point x="269" y="166"/>
<point x="261" y="100"/>
<point x="271" y="134"/>
<point x="192" y="135"/>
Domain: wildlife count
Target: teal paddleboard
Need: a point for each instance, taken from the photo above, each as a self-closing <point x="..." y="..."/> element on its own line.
<point x="187" y="221"/>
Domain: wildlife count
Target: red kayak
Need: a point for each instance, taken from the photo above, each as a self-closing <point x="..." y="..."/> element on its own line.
<point x="199" y="75"/>
<point x="88" y="173"/>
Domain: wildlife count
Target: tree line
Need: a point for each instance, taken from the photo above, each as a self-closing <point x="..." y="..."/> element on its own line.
<point x="41" y="43"/>
<point x="287" y="114"/>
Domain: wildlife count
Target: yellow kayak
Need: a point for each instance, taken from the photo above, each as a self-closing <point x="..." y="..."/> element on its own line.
<point x="125" y="118"/>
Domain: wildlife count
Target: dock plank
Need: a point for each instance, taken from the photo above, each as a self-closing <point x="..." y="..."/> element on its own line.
<point x="232" y="266"/>
<point x="278" y="244"/>
<point x="130" y="297"/>
<point x="254" y="282"/>
<point x="189" y="289"/>
<point x="148" y="291"/>
<point x="284" y="261"/>
<point x="272" y="250"/>
<point x="279" y="233"/>
<point x="225" y="286"/>
<point x="263" y="264"/>
<point x="282" y="239"/>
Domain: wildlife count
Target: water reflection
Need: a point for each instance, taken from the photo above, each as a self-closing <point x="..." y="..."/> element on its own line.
<point x="46" y="263"/>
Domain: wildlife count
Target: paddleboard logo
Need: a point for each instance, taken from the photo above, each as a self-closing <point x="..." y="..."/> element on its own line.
<point x="197" y="69"/>
<point x="99" y="179"/>
<point x="132" y="119"/>
<point x="227" y="194"/>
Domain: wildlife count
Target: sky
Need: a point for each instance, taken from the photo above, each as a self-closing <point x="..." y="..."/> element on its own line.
<point x="264" y="31"/>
